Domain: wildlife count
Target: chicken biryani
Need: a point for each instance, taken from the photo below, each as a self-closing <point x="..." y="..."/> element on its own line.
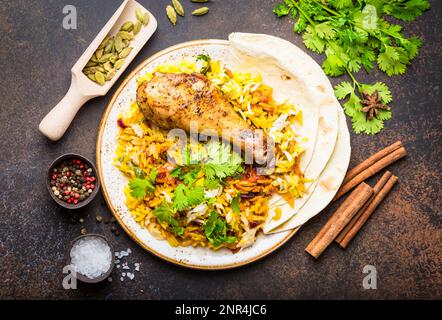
<point x="204" y="193"/>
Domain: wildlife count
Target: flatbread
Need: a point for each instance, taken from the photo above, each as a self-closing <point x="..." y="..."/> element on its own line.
<point x="328" y="183"/>
<point x="278" y="59"/>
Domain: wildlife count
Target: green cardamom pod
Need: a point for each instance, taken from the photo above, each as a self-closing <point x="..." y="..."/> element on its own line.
<point x="108" y="66"/>
<point x="109" y="46"/>
<point x="178" y="7"/>
<point x="139" y="14"/>
<point x="137" y="27"/>
<point x="113" y="59"/>
<point x="90" y="70"/>
<point x="110" y="74"/>
<point x="92" y="77"/>
<point x="118" y="44"/>
<point x="119" y="63"/>
<point x="128" y="26"/>
<point x="104" y="43"/>
<point x="125" y="53"/>
<point x="99" y="77"/>
<point x="99" y="53"/>
<point x="91" y="64"/>
<point x="125" y="35"/>
<point x="200" y="11"/>
<point x="105" y="57"/>
<point x="145" y="18"/>
<point x="171" y="14"/>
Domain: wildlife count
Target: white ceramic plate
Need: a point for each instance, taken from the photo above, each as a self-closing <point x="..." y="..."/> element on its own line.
<point x="113" y="181"/>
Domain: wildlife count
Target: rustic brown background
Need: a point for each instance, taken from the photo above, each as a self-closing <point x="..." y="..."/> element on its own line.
<point x="403" y="239"/>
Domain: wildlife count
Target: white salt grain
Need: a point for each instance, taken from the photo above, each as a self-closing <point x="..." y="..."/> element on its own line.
<point x="91" y="256"/>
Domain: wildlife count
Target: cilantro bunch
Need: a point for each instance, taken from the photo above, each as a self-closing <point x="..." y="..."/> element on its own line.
<point x="354" y="35"/>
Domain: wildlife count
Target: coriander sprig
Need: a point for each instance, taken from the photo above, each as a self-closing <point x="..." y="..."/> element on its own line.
<point x="354" y="35"/>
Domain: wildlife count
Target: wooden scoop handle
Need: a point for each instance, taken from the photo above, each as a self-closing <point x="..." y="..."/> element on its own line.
<point x="56" y="122"/>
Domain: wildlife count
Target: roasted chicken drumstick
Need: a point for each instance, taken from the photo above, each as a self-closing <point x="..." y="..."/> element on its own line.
<point x="175" y="100"/>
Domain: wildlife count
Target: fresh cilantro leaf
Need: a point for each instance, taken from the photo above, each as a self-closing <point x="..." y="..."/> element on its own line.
<point x="293" y="13"/>
<point x="221" y="171"/>
<point x="333" y="66"/>
<point x="187" y="196"/>
<point x="221" y="162"/>
<point x="139" y="173"/>
<point x="163" y="213"/>
<point x="406" y="10"/>
<point x="325" y="30"/>
<point x="384" y="115"/>
<point x="367" y="58"/>
<point x="343" y="89"/>
<point x="204" y="59"/>
<point x="392" y="53"/>
<point x="153" y="175"/>
<point x="340" y="4"/>
<point x="235" y="203"/>
<point x="281" y="9"/>
<point x="394" y="61"/>
<point x="195" y="195"/>
<point x="180" y="201"/>
<point x="300" y="24"/>
<point x="412" y="46"/>
<point x="362" y="125"/>
<point x="354" y="65"/>
<point x="190" y="176"/>
<point x="353" y="105"/>
<point x="215" y="230"/>
<point x="312" y="41"/>
<point x="140" y="187"/>
<point x="212" y="183"/>
<point x="175" y="173"/>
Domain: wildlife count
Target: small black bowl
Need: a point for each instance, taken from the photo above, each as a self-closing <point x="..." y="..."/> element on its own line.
<point x="82" y="277"/>
<point x="80" y="204"/>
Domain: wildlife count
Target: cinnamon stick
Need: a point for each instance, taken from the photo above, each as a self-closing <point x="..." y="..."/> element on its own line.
<point x="371" y="170"/>
<point x="344" y="240"/>
<point x="339" y="219"/>
<point x="379" y="185"/>
<point x="370" y="161"/>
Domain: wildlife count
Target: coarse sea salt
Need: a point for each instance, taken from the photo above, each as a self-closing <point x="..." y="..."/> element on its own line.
<point x="91" y="256"/>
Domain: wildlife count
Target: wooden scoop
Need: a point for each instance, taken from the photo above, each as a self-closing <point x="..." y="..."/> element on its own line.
<point x="82" y="89"/>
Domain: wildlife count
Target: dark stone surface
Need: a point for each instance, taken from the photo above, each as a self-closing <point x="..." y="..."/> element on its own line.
<point x="403" y="239"/>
